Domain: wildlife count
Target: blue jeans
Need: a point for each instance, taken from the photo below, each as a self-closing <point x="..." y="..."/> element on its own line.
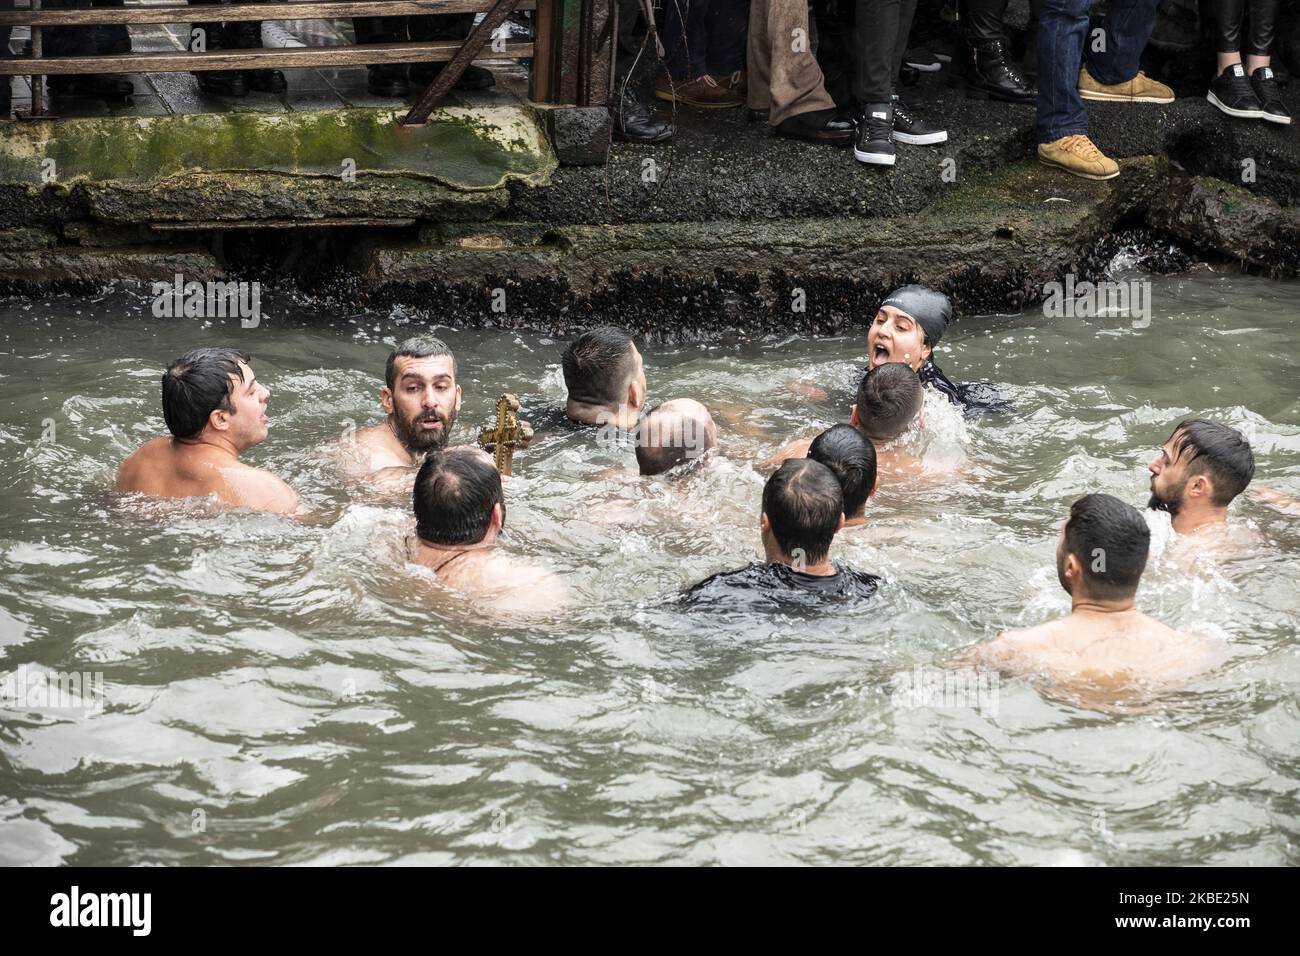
<point x="712" y="39"/>
<point x="1062" y="38"/>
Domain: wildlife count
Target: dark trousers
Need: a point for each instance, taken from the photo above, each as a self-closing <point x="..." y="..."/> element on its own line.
<point x="1062" y="38"/>
<point x="711" y="38"/>
<point x="880" y="40"/>
<point x="84" y="41"/>
<point x="440" y="26"/>
<point x="1259" y="39"/>
<point x="984" y="20"/>
<point x="246" y="35"/>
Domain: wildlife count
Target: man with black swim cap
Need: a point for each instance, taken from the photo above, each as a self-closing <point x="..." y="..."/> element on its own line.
<point x="803" y="509"/>
<point x="907" y="327"/>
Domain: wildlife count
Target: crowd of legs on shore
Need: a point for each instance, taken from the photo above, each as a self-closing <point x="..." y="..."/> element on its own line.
<point x="827" y="71"/>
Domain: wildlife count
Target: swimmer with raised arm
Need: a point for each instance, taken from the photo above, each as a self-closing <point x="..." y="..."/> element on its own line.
<point x="420" y="399"/>
<point x="1105" y="643"/>
<point x="460" y="511"/>
<point x="215" y="409"/>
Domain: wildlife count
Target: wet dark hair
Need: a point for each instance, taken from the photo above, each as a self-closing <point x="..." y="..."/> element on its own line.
<point x="1219" y="451"/>
<point x="455" y="490"/>
<point x="417" y="346"/>
<point x="196" y="385"/>
<point x="889" y="398"/>
<point x="803" y="503"/>
<point x="597" y="366"/>
<point x="851" y="456"/>
<point x="1110" y="538"/>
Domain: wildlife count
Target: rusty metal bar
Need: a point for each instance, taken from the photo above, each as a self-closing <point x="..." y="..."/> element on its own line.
<point x="450" y="73"/>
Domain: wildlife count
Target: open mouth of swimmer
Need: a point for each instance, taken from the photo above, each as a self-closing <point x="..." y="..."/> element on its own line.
<point x="879" y="355"/>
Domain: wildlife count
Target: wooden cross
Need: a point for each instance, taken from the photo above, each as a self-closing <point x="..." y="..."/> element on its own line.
<point x="510" y="433"/>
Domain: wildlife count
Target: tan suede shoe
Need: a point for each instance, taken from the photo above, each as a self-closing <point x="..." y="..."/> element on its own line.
<point x="704" y="92"/>
<point x="1140" y="89"/>
<point x="1078" y="156"/>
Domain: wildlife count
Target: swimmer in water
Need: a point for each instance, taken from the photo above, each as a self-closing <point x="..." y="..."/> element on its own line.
<point x="605" y="378"/>
<point x="889" y="404"/>
<point x="1106" y="643"/>
<point x="907" y="327"/>
<point x="1200" y="469"/>
<point x="676" y="432"/>
<point x="420" y="399"/>
<point x="460" y="511"/>
<point x="852" y="458"/>
<point x="803" y="510"/>
<point x="216" y="410"/>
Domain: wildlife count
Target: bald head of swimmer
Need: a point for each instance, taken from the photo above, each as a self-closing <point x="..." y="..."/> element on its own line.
<point x="851" y="456"/>
<point x="803" y="508"/>
<point x="420" y="395"/>
<point x="1202" y="467"/>
<point x="1102" y="551"/>
<point x="605" y="377"/>
<point x="889" y="401"/>
<point x="458" y="501"/>
<point x="676" y="432"/>
<point x="907" y="326"/>
<point x="212" y="396"/>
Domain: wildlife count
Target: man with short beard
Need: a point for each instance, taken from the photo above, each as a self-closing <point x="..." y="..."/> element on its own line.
<point x="420" y="398"/>
<point x="1202" y="467"/>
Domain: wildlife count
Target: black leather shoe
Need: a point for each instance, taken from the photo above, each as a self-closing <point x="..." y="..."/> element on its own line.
<point x="819" y="126"/>
<point x="222" y="83"/>
<point x="990" y="75"/>
<point x="266" y="81"/>
<point x="108" y="86"/>
<point x="387" y="80"/>
<point x="474" y="77"/>
<point x="637" y="123"/>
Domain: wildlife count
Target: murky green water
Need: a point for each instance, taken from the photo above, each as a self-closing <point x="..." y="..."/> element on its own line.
<point x="294" y="693"/>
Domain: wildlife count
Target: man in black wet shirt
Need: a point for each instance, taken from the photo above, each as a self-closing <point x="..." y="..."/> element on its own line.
<point x="803" y="508"/>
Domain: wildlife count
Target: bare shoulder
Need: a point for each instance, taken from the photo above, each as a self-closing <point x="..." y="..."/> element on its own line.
<point x="795" y="449"/>
<point x="129" y="473"/>
<point x="1014" y="646"/>
<point x="260" y="490"/>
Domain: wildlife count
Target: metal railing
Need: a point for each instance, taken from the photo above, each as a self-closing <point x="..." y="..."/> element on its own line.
<point x="456" y="54"/>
